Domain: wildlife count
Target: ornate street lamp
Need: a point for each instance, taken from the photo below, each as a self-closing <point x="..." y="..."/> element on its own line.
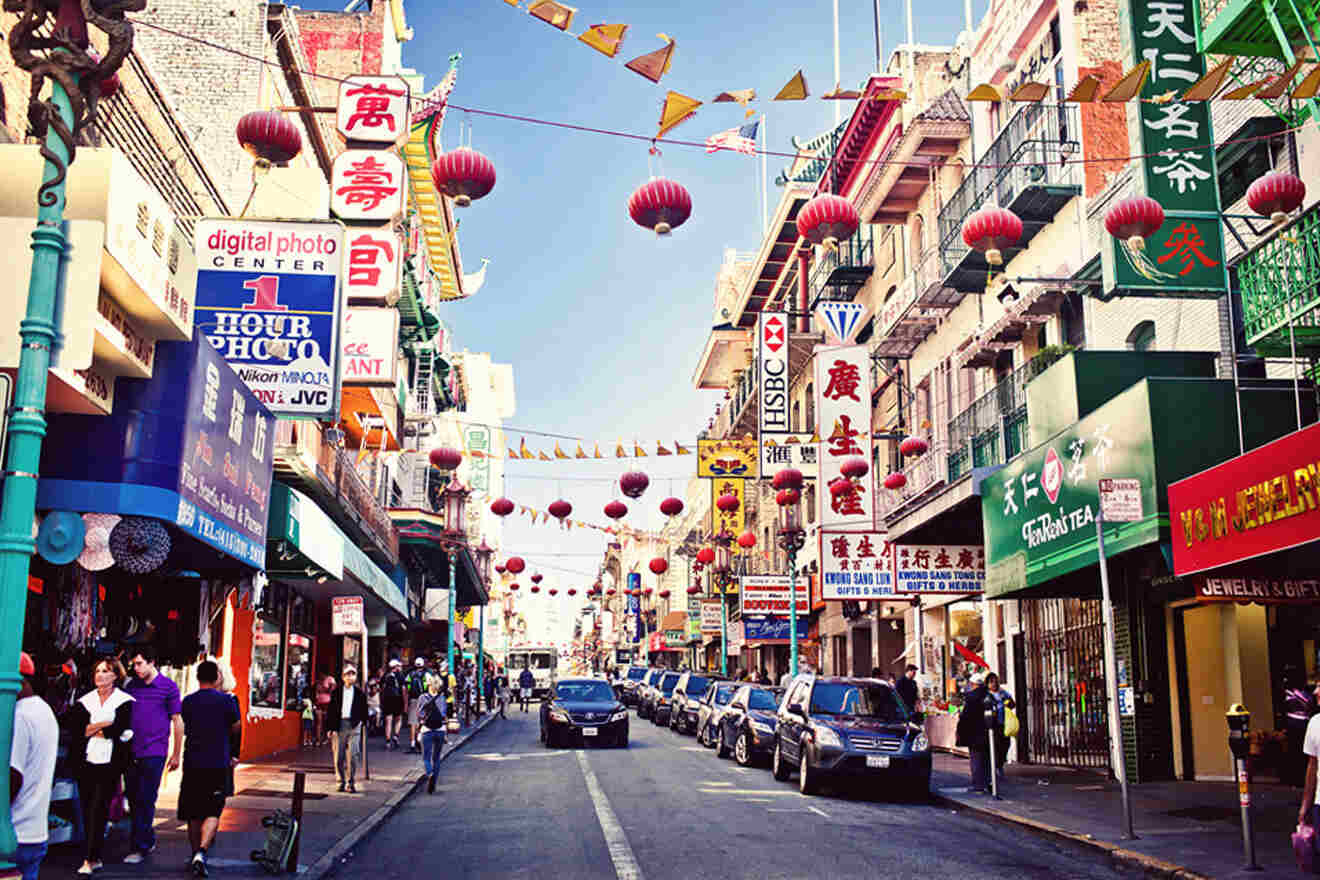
<point x="453" y="498"/>
<point x="792" y="537"/>
<point x="56" y="52"/>
<point x="722" y="564"/>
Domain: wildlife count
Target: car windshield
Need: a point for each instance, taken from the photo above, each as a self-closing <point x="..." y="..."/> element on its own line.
<point x="634" y="674"/>
<point x="667" y="683"/>
<point x="696" y="686"/>
<point x="724" y="693"/>
<point x="763" y="700"/>
<point x="517" y="661"/>
<point x="585" y="692"/>
<point x="541" y="661"/>
<point x="867" y="701"/>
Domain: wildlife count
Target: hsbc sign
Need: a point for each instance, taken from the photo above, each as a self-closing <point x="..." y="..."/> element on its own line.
<point x="772" y="372"/>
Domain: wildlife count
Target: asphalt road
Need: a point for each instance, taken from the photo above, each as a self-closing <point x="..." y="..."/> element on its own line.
<point x="665" y="807"/>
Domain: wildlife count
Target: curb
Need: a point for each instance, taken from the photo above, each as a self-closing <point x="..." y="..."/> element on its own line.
<point x="327" y="863"/>
<point x="1150" y="865"/>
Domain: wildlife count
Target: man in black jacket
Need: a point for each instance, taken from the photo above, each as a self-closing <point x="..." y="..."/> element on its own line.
<point x="971" y="734"/>
<point x="345" y="717"/>
<point x="907" y="687"/>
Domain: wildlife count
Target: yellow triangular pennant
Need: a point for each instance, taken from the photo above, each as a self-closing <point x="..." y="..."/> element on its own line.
<point x="660" y="449"/>
<point x="840" y="94"/>
<point x="677" y="108"/>
<point x="559" y="453"/>
<point x="580" y="453"/>
<point x="680" y="449"/>
<point x="557" y="15"/>
<point x="605" y="38"/>
<point x="1086" y="90"/>
<point x="1030" y="92"/>
<point x="619" y="451"/>
<point x="1280" y="83"/>
<point x="741" y="96"/>
<point x="512" y="453"/>
<point x="542" y="456"/>
<point x="522" y="449"/>
<point x="794" y="90"/>
<point x="1130" y="85"/>
<point x="598" y="455"/>
<point x="986" y="92"/>
<point x="1241" y="93"/>
<point x="653" y="65"/>
<point x="1309" y="87"/>
<point x="1209" y="85"/>
<point x="638" y="451"/>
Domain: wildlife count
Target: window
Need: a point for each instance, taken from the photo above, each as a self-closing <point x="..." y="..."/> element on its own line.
<point x="1239" y="174"/>
<point x="918" y="241"/>
<point x="797" y="415"/>
<point x="585" y="692"/>
<point x="1142" y="337"/>
<point x="266" y="675"/>
<point x="811" y="408"/>
<point x="1072" y="322"/>
<point x="868" y="701"/>
<point x="762" y="700"/>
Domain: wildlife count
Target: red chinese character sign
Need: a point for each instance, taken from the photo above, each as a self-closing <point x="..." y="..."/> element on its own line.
<point x="843" y="389"/>
<point x="856" y="566"/>
<point x="939" y="568"/>
<point x="373" y="109"/>
<point x="374" y="271"/>
<point x="367" y="185"/>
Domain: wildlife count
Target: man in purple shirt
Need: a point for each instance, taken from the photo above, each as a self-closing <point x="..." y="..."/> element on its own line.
<point x="155" y="717"/>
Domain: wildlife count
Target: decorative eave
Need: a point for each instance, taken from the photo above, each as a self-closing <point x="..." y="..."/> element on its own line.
<point x="870" y="117"/>
<point x="900" y="165"/>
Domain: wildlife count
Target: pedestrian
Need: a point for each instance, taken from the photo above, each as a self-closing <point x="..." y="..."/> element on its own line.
<point x="502" y="686"/>
<point x="98" y="722"/>
<point x="526" y="681"/>
<point x="346" y="716"/>
<point x="907" y="687"/>
<point x="1002" y="701"/>
<point x="212" y="728"/>
<point x="489" y="684"/>
<point x="431" y="712"/>
<point x="373" y="706"/>
<point x="325" y="684"/>
<point x="31" y="772"/>
<point x="971" y="733"/>
<point x="308" y="722"/>
<point x="414" y="687"/>
<point x="764" y="677"/>
<point x="1298" y="707"/>
<point x="1309" y="812"/>
<point x="391" y="703"/>
<point x="157" y="727"/>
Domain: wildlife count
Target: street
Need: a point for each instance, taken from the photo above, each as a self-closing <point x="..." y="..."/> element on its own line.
<point x="666" y="807"/>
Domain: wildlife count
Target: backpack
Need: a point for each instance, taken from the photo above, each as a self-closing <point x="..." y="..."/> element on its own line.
<point x="416" y="683"/>
<point x="433" y="713"/>
<point x="391" y="685"/>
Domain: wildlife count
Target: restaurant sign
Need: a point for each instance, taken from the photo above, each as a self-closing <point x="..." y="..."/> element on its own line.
<point x="1261" y="502"/>
<point x="1039" y="510"/>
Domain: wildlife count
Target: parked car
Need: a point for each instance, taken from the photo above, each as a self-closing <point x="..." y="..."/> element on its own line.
<point x="646" y="692"/>
<point x="830" y="728"/>
<point x="664" y="697"/>
<point x="626" y="685"/>
<point x="710" y="708"/>
<point x="583" y="710"/>
<point x="689" y="690"/>
<point x="747" y="725"/>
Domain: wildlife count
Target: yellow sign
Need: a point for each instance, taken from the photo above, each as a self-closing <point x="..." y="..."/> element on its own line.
<point x="728" y="458"/>
<point x="732" y="523"/>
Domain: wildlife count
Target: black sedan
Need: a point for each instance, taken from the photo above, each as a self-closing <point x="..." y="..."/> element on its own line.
<point x="747" y="726"/>
<point x="663" y="699"/>
<point x="583" y="710"/>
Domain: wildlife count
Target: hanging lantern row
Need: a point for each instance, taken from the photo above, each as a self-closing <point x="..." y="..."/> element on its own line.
<point x="634" y="483"/>
<point x="464" y="175"/>
<point x="1276" y="195"/>
<point x="513" y="587"/>
<point x="787" y="497"/>
<point x="913" y="446"/>
<point x="661" y="205"/>
<point x="896" y="480"/>
<point x="616" y="509"/>
<point x="728" y="503"/>
<point x="515" y="564"/>
<point x="445" y="459"/>
<point x="664" y="594"/>
<point x="827" y="220"/>
<point x="671" y="507"/>
<point x="747" y="540"/>
<point x="501" y="507"/>
<point x="560" y="509"/>
<point x="840" y="487"/>
<point x="1132" y="221"/>
<point x="705" y="556"/>
<point x="854" y="468"/>
<point x="659" y="565"/>
<point x="536" y="578"/>
<point x="992" y="230"/>
<point x="788" y="478"/>
<point x="693" y="590"/>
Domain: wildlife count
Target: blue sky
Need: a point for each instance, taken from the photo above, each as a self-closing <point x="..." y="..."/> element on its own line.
<point x="602" y="321"/>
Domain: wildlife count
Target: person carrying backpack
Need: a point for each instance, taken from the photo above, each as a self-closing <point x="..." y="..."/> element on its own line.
<point x="432" y="714"/>
<point x="415" y="688"/>
<point x="391" y="703"/>
<point x="526" y="681"/>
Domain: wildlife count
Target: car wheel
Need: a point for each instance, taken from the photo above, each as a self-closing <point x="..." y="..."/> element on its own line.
<point x="742" y="750"/>
<point x="806" y="782"/>
<point x="723" y="749"/>
<point x="778" y="766"/>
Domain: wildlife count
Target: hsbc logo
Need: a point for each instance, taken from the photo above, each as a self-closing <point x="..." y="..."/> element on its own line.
<point x="774" y="333"/>
<point x="1051" y="476"/>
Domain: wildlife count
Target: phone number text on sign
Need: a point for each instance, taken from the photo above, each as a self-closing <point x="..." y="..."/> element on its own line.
<point x="856" y="565"/>
<point x="939" y="568"/>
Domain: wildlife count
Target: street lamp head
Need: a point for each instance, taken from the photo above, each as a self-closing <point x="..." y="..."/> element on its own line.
<point x="454" y="498"/>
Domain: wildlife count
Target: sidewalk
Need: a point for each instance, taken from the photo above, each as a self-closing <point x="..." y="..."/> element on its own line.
<point x="333" y="823"/>
<point x="1184" y="829"/>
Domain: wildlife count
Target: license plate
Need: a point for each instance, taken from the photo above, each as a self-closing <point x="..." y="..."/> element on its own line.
<point x="877" y="760"/>
<point x="592" y="731"/>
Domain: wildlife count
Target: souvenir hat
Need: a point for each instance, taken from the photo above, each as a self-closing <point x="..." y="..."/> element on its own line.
<point x="60" y="538"/>
<point x="139" y="544"/>
<point x="96" y="554"/>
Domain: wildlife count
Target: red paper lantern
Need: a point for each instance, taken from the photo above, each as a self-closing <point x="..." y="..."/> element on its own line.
<point x="705" y="556"/>
<point x="693" y="590"/>
<point x="560" y="509"/>
<point x="747" y="540"/>
<point x="501" y="507"/>
<point x="515" y="564"/>
<point x="269" y="136"/>
<point x="664" y="594"/>
<point x="1134" y="219"/>
<point x="727" y="503"/>
<point x="661" y="205"/>
<point x="896" y="480"/>
<point x="446" y="459"/>
<point x="647" y="592"/>
<point x="616" y="509"/>
<point x="499" y="569"/>
<point x="463" y="175"/>
<point x="659" y="565"/>
<point x="840" y="487"/>
<point x="826" y="219"/>
<point x="572" y="592"/>
<point x="785" y="497"/>
<point x="610" y="592"/>
<point x="991" y="230"/>
<point x="854" y="468"/>
<point x="536" y="578"/>
<point x="1276" y="195"/>
<point x="671" y="507"/>
<point x="633" y="484"/>
<point x="788" y="478"/>
<point x="535" y="588"/>
<point x="553" y="592"/>
<point x="514" y="586"/>
<point x="913" y="446"/>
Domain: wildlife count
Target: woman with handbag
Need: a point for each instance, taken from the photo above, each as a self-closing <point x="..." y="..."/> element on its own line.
<point x="102" y="724"/>
<point x="1005" y="717"/>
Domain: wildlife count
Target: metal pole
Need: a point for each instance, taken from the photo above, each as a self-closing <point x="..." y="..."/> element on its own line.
<point x="481" y="654"/>
<point x="27" y="428"/>
<point x="765" y="195"/>
<point x="879" y="44"/>
<point x="1248" y="831"/>
<point x="1111" y="682"/>
<point x="837" y="109"/>
<point x="724" y="636"/>
<point x="453" y="612"/>
<point x="792" y="611"/>
<point x="296" y="810"/>
<point x="1297" y="388"/>
<point x="994" y="772"/>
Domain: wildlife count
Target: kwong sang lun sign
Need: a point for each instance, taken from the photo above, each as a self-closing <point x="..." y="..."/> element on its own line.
<point x="856" y="566"/>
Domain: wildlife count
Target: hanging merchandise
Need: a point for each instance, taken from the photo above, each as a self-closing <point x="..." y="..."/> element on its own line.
<point x="60" y="538"/>
<point x="139" y="544"/>
<point x="96" y="554"/>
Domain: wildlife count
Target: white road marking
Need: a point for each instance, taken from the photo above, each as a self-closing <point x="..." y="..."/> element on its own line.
<point x="818" y="811"/>
<point x="694" y="749"/>
<point x="758" y="801"/>
<point x="513" y="756"/>
<point x="751" y="792"/>
<point x="625" y="863"/>
<point x="715" y="784"/>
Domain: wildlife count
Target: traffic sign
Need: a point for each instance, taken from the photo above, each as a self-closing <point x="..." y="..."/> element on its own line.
<point x="1120" y="500"/>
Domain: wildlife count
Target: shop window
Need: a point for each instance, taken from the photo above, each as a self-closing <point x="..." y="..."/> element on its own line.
<point x="266" y="674"/>
<point x="298" y="671"/>
<point x="966" y="644"/>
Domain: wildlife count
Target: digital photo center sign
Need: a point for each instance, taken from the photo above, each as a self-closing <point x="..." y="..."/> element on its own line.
<point x="269" y="300"/>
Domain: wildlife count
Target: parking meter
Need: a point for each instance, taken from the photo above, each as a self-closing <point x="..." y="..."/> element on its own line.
<point x="1239" y="723"/>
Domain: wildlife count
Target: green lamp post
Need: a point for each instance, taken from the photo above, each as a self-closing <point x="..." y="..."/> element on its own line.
<point x="74" y="76"/>
<point x="454" y="498"/>
<point x="792" y="538"/>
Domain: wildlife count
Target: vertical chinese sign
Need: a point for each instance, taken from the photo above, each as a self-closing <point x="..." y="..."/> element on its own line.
<point x="1186" y="256"/>
<point x="843" y="389"/>
<point x="731" y="522"/>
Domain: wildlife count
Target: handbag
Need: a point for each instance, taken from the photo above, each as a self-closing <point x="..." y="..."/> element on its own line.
<point x="1303" y="844"/>
<point x="1011" y="725"/>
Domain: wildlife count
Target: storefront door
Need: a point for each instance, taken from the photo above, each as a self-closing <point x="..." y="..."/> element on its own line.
<point x="1206" y="698"/>
<point x="861" y="654"/>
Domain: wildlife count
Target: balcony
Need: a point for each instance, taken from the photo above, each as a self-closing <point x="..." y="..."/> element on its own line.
<point x="902" y="322"/>
<point x="838" y="274"/>
<point x="994" y="428"/>
<point x="1280" y="284"/>
<point x="1024" y="170"/>
<point x="926" y="472"/>
<point x="1257" y="28"/>
<point x="304" y="460"/>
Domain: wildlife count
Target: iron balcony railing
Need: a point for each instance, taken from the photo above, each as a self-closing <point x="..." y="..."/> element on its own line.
<point x="839" y="273"/>
<point x="923" y="472"/>
<point x="994" y="428"/>
<point x="1030" y="151"/>
<point x="1280" y="285"/>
